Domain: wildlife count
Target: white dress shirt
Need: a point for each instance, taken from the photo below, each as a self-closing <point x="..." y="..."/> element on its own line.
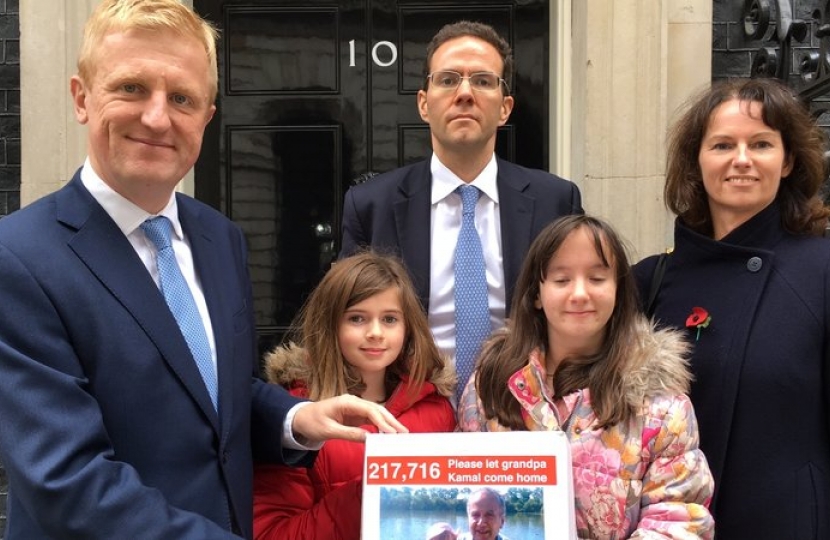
<point x="128" y="217"/>
<point x="444" y="229"/>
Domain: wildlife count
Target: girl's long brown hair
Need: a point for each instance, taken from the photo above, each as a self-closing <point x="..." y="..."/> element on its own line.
<point x="347" y="283"/>
<point x="602" y="373"/>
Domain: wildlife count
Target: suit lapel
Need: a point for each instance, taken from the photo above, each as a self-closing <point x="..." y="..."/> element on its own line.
<point x="104" y="249"/>
<point x="516" y="213"/>
<point x="412" y="218"/>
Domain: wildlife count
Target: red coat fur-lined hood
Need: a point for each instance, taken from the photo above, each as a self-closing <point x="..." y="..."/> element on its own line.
<point x="324" y="502"/>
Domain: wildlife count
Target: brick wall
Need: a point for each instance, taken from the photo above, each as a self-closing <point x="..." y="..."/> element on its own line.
<point x="9" y="144"/>
<point x="9" y="115"/>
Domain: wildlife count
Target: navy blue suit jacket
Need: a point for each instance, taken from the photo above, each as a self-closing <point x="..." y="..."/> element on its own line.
<point x="761" y="368"/>
<point x="391" y="213"/>
<point x="107" y="430"/>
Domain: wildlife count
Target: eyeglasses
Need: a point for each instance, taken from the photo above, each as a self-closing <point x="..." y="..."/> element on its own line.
<point x="483" y="81"/>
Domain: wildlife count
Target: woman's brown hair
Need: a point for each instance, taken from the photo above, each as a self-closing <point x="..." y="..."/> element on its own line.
<point x="805" y="144"/>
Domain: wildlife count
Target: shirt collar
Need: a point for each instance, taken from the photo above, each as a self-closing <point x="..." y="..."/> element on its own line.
<point x="444" y="181"/>
<point x="126" y="215"/>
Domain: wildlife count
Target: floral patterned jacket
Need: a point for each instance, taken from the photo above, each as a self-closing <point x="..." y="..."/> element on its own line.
<point x="646" y="478"/>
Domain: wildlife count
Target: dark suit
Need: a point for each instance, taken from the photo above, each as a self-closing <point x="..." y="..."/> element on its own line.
<point x="391" y="213"/>
<point x="107" y="429"/>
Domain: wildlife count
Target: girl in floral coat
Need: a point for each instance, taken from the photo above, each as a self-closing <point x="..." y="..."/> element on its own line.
<point x="362" y="332"/>
<point x="578" y="357"/>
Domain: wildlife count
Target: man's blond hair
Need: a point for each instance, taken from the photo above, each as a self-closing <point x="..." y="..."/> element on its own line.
<point x="123" y="15"/>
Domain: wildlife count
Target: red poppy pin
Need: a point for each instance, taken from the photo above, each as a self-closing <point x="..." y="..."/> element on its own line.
<point x="699" y="319"/>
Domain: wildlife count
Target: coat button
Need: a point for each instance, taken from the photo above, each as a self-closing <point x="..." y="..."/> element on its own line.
<point x="754" y="264"/>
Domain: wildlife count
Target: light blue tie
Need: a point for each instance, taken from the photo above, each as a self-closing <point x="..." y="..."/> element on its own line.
<point x="472" y="313"/>
<point x="180" y="301"/>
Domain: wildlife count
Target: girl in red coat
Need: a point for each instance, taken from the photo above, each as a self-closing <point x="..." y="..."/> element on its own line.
<point x="363" y="332"/>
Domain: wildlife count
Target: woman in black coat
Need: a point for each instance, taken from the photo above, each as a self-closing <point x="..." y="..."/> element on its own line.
<point x="749" y="277"/>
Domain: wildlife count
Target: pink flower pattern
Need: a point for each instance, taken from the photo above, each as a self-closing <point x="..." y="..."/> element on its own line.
<point x="645" y="479"/>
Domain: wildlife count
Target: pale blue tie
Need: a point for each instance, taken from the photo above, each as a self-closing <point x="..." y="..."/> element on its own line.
<point x="472" y="313"/>
<point x="180" y="300"/>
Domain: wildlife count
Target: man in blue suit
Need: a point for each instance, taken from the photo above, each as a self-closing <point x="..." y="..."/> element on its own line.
<point x="415" y="211"/>
<point x="107" y="427"/>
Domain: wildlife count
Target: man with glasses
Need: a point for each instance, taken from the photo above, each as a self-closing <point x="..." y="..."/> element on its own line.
<point x="416" y="211"/>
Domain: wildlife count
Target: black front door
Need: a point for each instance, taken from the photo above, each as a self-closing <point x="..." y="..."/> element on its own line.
<point x="315" y="95"/>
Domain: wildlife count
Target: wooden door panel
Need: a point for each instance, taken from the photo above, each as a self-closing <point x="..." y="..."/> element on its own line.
<point x="277" y="156"/>
<point x="272" y="51"/>
<point x="284" y="193"/>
